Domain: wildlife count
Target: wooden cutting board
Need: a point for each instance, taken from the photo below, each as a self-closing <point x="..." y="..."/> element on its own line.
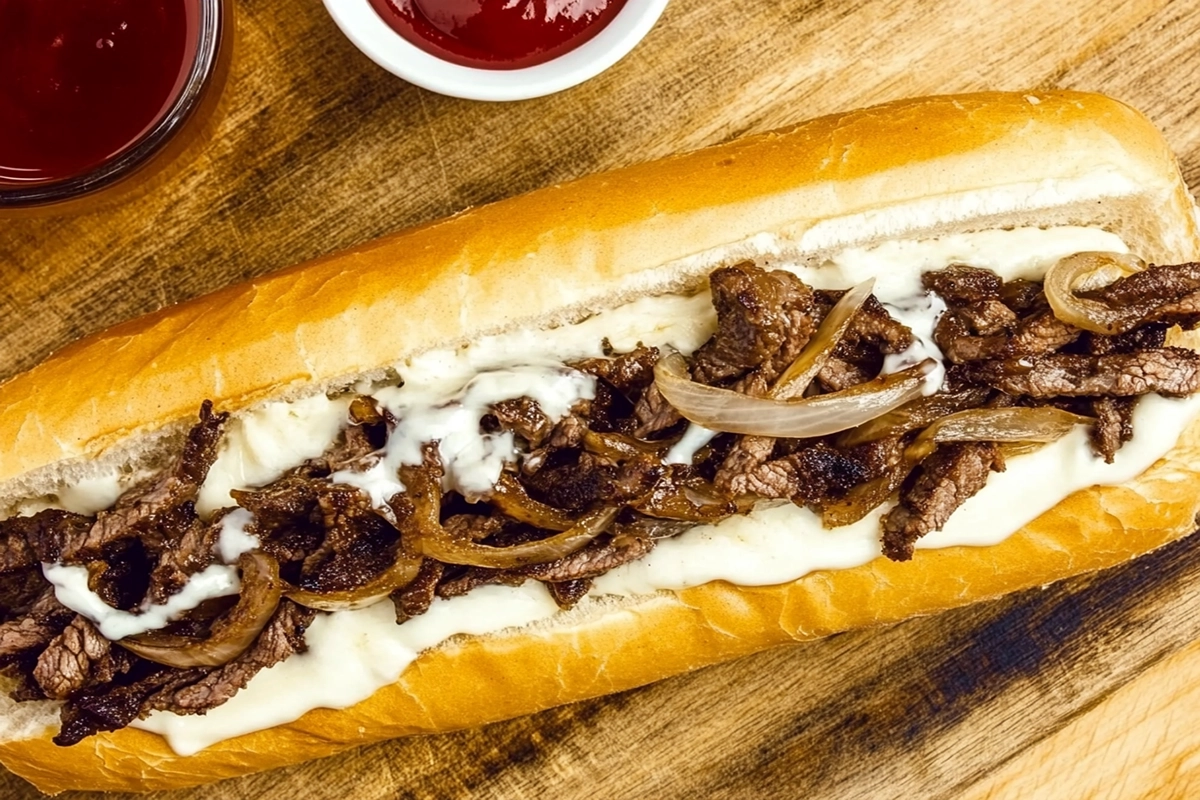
<point x="1090" y="688"/>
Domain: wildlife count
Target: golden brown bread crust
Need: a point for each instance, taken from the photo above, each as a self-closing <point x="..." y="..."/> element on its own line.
<point x="582" y="245"/>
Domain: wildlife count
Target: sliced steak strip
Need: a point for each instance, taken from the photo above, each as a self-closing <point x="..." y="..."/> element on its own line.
<point x="35" y="630"/>
<point x="414" y="600"/>
<point x="194" y="551"/>
<point x="146" y="512"/>
<point x="595" y="559"/>
<point x="110" y="708"/>
<point x="283" y="636"/>
<point x="954" y="472"/>
<point x="567" y="593"/>
<point x="1170" y="371"/>
<point x="524" y="417"/>
<point x="962" y="285"/>
<point x="1114" y="424"/>
<point x="25" y="541"/>
<point x="763" y="322"/>
<point x="630" y="373"/>
<point x="79" y="656"/>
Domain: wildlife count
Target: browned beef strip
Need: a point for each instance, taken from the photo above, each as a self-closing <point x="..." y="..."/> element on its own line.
<point x="524" y="417"/>
<point x="146" y="512"/>
<point x="595" y="559"/>
<point x="1170" y="371"/>
<point x="962" y="285"/>
<point x="1040" y="333"/>
<point x="414" y="600"/>
<point x="954" y="472"/>
<point x="630" y="373"/>
<point x="1114" y="424"/>
<point x="287" y="517"/>
<point x="36" y="629"/>
<point x="735" y="476"/>
<point x="193" y="551"/>
<point x="473" y="527"/>
<point x="19" y="589"/>
<point x="1150" y="336"/>
<point x="283" y="636"/>
<point x="763" y="322"/>
<point x="569" y="432"/>
<point x="112" y="707"/>
<point x="874" y="326"/>
<point x="654" y="414"/>
<point x="567" y="593"/>
<point x="283" y="502"/>
<point x="356" y="448"/>
<point x="358" y="543"/>
<point x="1154" y="286"/>
<point x="579" y="481"/>
<point x="25" y="541"/>
<point x="459" y="581"/>
<point x="840" y="373"/>
<point x="122" y="578"/>
<point x="988" y="317"/>
<point x="79" y="656"/>
<point x="1023" y="296"/>
<point x="650" y="527"/>
<point x="953" y="336"/>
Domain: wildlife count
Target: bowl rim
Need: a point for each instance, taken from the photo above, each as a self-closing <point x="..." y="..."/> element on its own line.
<point x="368" y="31"/>
<point x="213" y="27"/>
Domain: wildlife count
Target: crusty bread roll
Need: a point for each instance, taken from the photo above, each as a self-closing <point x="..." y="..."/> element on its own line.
<point x="911" y="169"/>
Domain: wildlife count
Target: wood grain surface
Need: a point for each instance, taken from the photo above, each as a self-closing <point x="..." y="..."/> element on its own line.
<point x="1090" y="688"/>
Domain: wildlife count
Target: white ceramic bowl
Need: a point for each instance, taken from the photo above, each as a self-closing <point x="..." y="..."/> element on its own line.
<point x="359" y="21"/>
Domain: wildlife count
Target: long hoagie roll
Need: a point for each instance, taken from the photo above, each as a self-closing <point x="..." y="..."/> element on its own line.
<point x="873" y="192"/>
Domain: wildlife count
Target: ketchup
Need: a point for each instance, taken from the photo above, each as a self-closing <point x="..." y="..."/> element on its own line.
<point x="497" y="34"/>
<point x="82" y="80"/>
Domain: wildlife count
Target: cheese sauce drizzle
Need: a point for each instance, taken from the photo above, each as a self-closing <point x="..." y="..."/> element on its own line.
<point x="353" y="653"/>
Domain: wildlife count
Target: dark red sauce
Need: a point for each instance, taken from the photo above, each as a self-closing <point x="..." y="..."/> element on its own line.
<point x="82" y="80"/>
<point x="497" y="34"/>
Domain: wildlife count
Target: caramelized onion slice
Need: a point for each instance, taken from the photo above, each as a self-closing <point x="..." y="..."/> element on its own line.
<point x="1094" y="270"/>
<point x="232" y="634"/>
<point x="733" y="412"/>
<point x="422" y="531"/>
<point x="618" y="446"/>
<point x="1013" y="424"/>
<point x="401" y="573"/>
<point x="914" y="416"/>
<point x="689" y="500"/>
<point x="437" y="543"/>
<point x="800" y="374"/>
<point x="510" y="497"/>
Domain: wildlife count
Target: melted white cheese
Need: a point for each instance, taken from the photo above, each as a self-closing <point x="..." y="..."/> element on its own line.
<point x="71" y="589"/>
<point x="781" y="542"/>
<point x="262" y="444"/>
<point x="355" y="653"/>
<point x="429" y="407"/>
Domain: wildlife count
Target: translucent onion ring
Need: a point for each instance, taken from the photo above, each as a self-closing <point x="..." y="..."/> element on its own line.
<point x="618" y="446"/>
<point x="422" y="531"/>
<point x="801" y="372"/>
<point x="1012" y="424"/>
<point x="1016" y="424"/>
<point x="733" y="412"/>
<point x="510" y="498"/>
<point x="913" y="416"/>
<point x="232" y="634"/>
<point x="1091" y="315"/>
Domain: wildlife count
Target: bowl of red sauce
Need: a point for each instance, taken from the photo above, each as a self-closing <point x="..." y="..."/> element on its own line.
<point x="95" y="91"/>
<point x="495" y="49"/>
